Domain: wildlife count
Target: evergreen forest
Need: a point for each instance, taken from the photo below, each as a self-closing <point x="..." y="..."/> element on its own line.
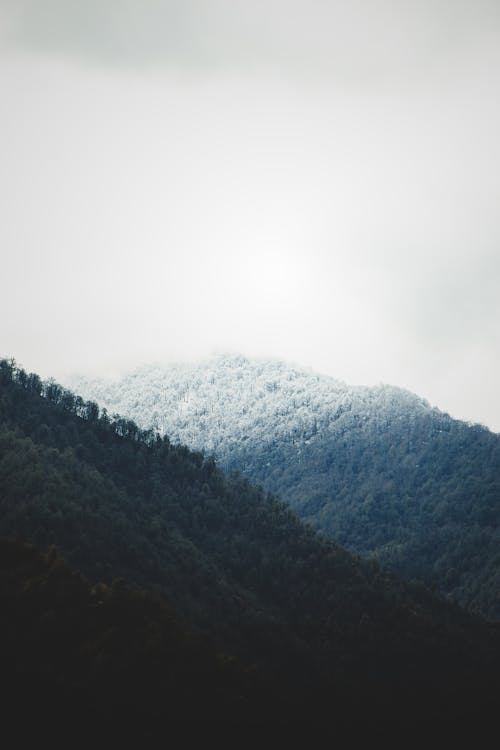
<point x="159" y="582"/>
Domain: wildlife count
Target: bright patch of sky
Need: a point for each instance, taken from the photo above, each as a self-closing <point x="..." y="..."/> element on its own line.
<point x="313" y="181"/>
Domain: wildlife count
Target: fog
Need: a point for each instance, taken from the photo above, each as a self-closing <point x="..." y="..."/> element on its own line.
<point x="311" y="181"/>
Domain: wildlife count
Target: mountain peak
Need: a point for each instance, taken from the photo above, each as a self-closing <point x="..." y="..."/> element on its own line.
<point x="228" y="398"/>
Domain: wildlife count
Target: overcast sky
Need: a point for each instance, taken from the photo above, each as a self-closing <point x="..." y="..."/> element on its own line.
<point x="315" y="181"/>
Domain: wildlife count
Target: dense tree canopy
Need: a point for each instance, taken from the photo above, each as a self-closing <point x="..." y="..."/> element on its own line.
<point x="376" y="469"/>
<point x="237" y="565"/>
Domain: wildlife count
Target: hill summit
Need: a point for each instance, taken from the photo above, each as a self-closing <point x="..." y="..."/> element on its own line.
<point x="376" y="468"/>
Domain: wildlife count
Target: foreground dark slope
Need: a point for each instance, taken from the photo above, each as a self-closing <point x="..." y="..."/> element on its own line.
<point x="232" y="561"/>
<point x="377" y="469"/>
<point x="104" y="658"/>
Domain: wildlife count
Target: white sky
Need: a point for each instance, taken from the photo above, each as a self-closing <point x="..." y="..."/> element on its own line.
<point x="309" y="180"/>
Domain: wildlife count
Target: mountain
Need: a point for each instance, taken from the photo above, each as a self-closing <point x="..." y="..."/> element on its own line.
<point x="327" y="636"/>
<point x="377" y="469"/>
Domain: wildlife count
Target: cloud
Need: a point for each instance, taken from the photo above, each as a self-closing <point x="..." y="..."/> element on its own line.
<point x="311" y="180"/>
<point x="383" y="42"/>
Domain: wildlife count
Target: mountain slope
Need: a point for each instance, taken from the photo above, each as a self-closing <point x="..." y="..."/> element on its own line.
<point x="104" y="658"/>
<point x="377" y="469"/>
<point x="320" y="624"/>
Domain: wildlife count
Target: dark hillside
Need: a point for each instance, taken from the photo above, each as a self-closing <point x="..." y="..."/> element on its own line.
<point x="107" y="658"/>
<point x="233" y="562"/>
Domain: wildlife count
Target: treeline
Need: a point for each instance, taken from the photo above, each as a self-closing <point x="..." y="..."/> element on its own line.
<point x="85" y="409"/>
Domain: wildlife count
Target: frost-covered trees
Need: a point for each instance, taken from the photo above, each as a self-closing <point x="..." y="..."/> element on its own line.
<point x="378" y="469"/>
<point x="231" y="401"/>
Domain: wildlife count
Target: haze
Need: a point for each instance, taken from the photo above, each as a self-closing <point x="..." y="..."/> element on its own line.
<point x="314" y="181"/>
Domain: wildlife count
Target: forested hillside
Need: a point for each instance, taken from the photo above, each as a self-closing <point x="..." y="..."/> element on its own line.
<point x="376" y="469"/>
<point x="328" y="633"/>
<point x="106" y="659"/>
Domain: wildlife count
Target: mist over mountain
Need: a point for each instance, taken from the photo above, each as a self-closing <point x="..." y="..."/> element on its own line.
<point x="376" y="468"/>
<point x="236" y="538"/>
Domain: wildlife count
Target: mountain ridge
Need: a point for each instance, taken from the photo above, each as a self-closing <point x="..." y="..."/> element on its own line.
<point x="377" y="469"/>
